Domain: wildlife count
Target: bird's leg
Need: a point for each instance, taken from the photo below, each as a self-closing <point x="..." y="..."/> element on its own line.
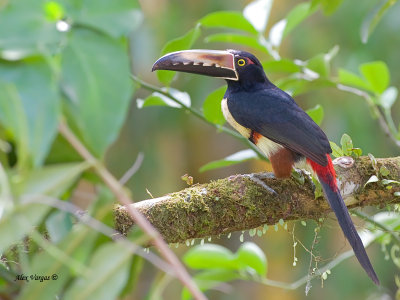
<point x="257" y="179"/>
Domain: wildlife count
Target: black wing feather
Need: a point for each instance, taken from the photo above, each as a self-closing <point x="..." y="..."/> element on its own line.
<point x="275" y="115"/>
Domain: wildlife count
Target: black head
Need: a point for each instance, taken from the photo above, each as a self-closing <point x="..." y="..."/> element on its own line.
<point x="237" y="67"/>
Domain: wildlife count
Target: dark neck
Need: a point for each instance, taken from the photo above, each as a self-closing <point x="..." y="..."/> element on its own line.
<point x="249" y="83"/>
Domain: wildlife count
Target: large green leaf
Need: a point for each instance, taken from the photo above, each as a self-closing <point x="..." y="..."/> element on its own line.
<point x="210" y="256"/>
<point x="95" y="78"/>
<point x="181" y="43"/>
<point x="29" y="108"/>
<point x="282" y="65"/>
<point x="235" y="38"/>
<point x="25" y="30"/>
<point x="349" y="78"/>
<point x="51" y="181"/>
<point x="377" y="74"/>
<point x="212" y="106"/>
<point x="116" y="18"/>
<point x="228" y="19"/>
<point x="330" y="6"/>
<point x="110" y="267"/>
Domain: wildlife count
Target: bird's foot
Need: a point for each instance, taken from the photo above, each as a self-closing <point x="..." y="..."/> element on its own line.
<point x="257" y="179"/>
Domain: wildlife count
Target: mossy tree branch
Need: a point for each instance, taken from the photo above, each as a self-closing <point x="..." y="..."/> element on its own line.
<point x="242" y="202"/>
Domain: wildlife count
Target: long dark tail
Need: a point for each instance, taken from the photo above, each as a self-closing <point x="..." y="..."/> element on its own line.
<point x="327" y="177"/>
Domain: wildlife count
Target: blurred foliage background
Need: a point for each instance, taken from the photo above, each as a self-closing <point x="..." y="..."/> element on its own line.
<point x="112" y="40"/>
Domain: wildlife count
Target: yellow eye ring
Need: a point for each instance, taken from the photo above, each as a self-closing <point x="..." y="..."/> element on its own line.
<point x="241" y="62"/>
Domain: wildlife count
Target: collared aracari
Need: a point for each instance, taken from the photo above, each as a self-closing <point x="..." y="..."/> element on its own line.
<point x="272" y="120"/>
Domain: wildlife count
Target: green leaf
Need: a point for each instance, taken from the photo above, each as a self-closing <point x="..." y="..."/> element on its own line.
<point x="19" y="222"/>
<point x="158" y="99"/>
<point x="384" y="171"/>
<point x="349" y="78"/>
<point x="330" y="6"/>
<point x="54" y="11"/>
<point x="110" y="267"/>
<point x="76" y="246"/>
<point x="58" y="225"/>
<point x="373" y="18"/>
<point x="257" y="13"/>
<point x="181" y="43"/>
<point x="210" y="256"/>
<point x="316" y="113"/>
<point x="250" y="255"/>
<point x="26" y="30"/>
<point x="95" y="78"/>
<point x="388" y="97"/>
<point x="377" y="74"/>
<point x="212" y="106"/>
<point x="29" y="91"/>
<point x="236" y="38"/>
<point x="347" y="144"/>
<point x="115" y="18"/>
<point x="372" y="179"/>
<point x="52" y="180"/>
<point x="357" y="152"/>
<point x="233" y="159"/>
<point x="336" y="150"/>
<point x="283" y="65"/>
<point x="228" y="19"/>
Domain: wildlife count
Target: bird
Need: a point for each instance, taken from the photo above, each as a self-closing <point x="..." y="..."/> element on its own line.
<point x="272" y="120"/>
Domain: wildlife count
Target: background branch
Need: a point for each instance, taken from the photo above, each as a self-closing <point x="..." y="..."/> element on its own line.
<point x="241" y="202"/>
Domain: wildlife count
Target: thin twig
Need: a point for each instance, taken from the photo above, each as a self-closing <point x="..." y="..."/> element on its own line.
<point x="382" y="121"/>
<point x="199" y="115"/>
<point x="140" y="220"/>
<point x="132" y="170"/>
<point x="380" y="225"/>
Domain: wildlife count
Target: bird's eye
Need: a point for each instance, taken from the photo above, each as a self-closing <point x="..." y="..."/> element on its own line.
<point x="241" y="62"/>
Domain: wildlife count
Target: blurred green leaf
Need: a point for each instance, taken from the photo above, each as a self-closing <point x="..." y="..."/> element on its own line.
<point x="210" y="256"/>
<point x="158" y="99"/>
<point x="250" y="255"/>
<point x="257" y="13"/>
<point x="30" y="92"/>
<point x="347" y="144"/>
<point x="349" y="78"/>
<point x="297" y="15"/>
<point x="316" y="113"/>
<point x="388" y="97"/>
<point x="25" y="30"/>
<point x="110" y="267"/>
<point x="95" y="78"/>
<point x="58" y="225"/>
<point x="50" y="180"/>
<point x="377" y="74"/>
<point x="19" y="222"/>
<point x="373" y="18"/>
<point x="296" y="86"/>
<point x="336" y="150"/>
<point x="228" y="19"/>
<point x="236" y="38"/>
<point x="357" y="152"/>
<point x="115" y="18"/>
<point x="372" y="179"/>
<point x="76" y="246"/>
<point x="181" y="43"/>
<point x="319" y="64"/>
<point x="330" y="6"/>
<point x="283" y="65"/>
<point x="212" y="106"/>
<point x="233" y="159"/>
<point x="209" y="279"/>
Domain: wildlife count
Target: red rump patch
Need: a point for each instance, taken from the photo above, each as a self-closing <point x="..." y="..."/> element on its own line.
<point x="325" y="173"/>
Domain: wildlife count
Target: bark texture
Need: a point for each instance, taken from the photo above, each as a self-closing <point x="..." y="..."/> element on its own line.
<point x="242" y="202"/>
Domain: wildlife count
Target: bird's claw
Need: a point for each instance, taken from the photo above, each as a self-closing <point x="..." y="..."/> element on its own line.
<point x="257" y="179"/>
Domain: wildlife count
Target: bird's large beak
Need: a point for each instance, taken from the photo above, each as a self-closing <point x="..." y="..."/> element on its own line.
<point x="213" y="63"/>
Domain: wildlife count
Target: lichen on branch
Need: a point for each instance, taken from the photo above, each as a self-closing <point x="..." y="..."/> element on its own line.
<point x="242" y="202"/>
